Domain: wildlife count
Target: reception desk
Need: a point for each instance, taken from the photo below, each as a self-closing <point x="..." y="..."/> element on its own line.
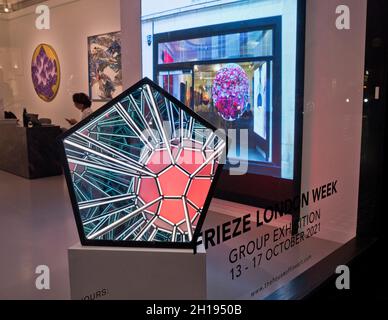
<point x="30" y="152"/>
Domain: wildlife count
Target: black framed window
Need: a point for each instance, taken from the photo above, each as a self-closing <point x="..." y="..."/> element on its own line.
<point x="187" y="62"/>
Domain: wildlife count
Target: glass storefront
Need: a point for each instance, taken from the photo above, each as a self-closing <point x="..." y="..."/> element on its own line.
<point x="278" y="77"/>
<point x="188" y="69"/>
<point x="187" y="62"/>
<point x="240" y="71"/>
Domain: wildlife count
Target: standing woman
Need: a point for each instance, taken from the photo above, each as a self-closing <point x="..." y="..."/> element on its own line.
<point x="83" y="104"/>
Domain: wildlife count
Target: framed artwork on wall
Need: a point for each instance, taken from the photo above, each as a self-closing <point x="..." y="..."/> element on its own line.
<point x="105" y="72"/>
<point x="45" y="72"/>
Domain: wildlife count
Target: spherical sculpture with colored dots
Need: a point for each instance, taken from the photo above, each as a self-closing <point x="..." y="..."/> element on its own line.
<point x="231" y="92"/>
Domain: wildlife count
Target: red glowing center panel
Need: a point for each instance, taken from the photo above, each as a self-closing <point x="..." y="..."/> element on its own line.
<point x="183" y="184"/>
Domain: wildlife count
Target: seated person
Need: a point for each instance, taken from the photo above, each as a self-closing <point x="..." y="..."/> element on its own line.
<point x="83" y="103"/>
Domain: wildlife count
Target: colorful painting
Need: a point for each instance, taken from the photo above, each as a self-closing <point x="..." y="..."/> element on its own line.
<point x="45" y="72"/>
<point x="231" y="92"/>
<point x="105" y="75"/>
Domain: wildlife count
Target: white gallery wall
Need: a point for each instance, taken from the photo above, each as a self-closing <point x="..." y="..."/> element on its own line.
<point x="131" y="41"/>
<point x="71" y="23"/>
<point x="334" y="81"/>
<point x="4" y="34"/>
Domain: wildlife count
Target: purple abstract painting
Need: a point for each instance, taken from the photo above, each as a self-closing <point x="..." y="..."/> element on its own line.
<point x="45" y="72"/>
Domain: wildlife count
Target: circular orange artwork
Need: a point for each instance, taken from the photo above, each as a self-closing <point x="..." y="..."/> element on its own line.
<point x="45" y="72"/>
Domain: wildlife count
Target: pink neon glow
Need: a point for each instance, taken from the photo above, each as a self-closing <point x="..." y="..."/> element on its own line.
<point x="196" y="194"/>
<point x="173" y="182"/>
<point x="180" y="192"/>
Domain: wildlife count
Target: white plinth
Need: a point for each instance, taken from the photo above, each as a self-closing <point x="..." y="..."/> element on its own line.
<point x="136" y="274"/>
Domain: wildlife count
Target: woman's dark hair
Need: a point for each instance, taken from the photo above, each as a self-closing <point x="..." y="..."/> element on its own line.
<point x="82" y="98"/>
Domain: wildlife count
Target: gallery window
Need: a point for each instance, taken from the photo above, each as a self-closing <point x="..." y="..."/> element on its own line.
<point x="193" y="66"/>
<point x="239" y="45"/>
<point x="240" y="66"/>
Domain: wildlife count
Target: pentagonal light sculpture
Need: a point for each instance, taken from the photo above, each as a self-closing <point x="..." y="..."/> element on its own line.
<point x="141" y="170"/>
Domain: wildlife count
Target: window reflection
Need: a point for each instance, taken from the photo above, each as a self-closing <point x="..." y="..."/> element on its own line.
<point x="230" y="46"/>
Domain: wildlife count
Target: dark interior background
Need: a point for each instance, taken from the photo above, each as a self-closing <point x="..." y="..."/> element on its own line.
<point x="371" y="200"/>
